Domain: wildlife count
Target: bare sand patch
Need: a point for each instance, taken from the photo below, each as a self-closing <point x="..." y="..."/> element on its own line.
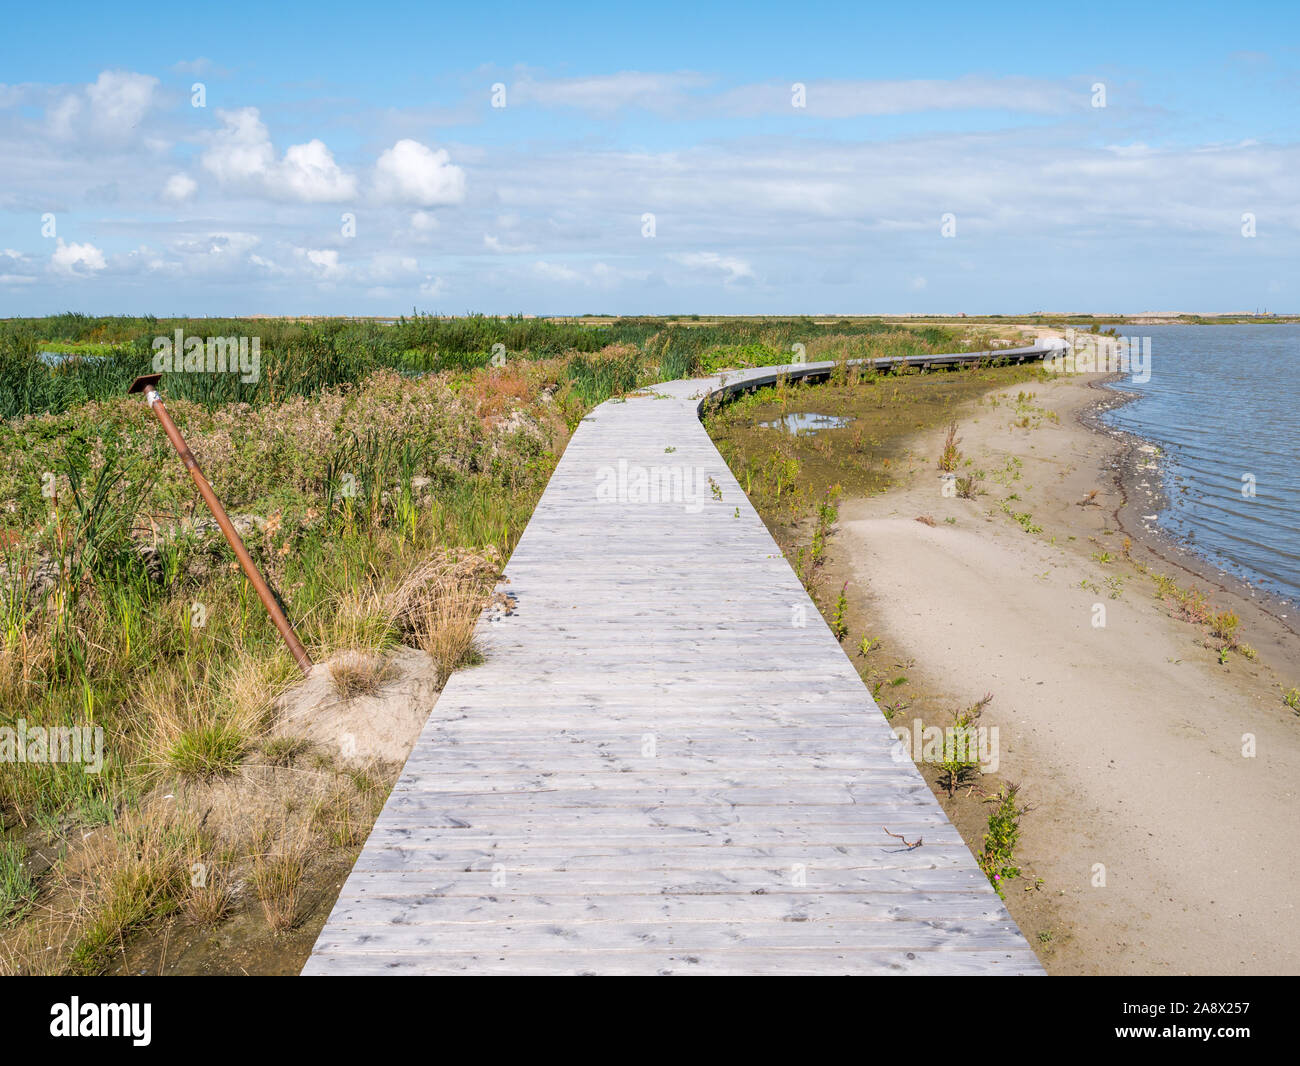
<point x="1127" y="737"/>
<point x="367" y="727"/>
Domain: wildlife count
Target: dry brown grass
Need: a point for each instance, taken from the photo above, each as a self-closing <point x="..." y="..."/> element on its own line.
<point x="11" y="676"/>
<point x="250" y="685"/>
<point x="279" y="868"/>
<point x="202" y="731"/>
<point x="447" y="629"/>
<point x="347" y="810"/>
<point x="208" y="898"/>
<point x="121" y="879"/>
<point x="360" y="672"/>
<point x="362" y="618"/>
<point x="24" y="659"/>
<point x="438" y="604"/>
<point x="283" y="751"/>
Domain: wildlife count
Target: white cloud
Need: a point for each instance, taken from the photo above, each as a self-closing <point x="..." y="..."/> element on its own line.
<point x="16" y="261"/>
<point x="390" y="267"/>
<point x="119" y="100"/>
<point x="675" y="93"/>
<point x="77" y="259"/>
<point x="323" y="262"/>
<point x="597" y="275"/>
<point x="310" y="174"/>
<point x="494" y="244"/>
<point x="241" y="154"/>
<point x="851" y="98"/>
<point x="200" y="65"/>
<point x="424" y="221"/>
<point x="266" y="264"/>
<point x="110" y="110"/>
<point x="605" y="94"/>
<point x="62" y="117"/>
<point x="412" y="173"/>
<point x="179" y="187"/>
<point x="214" y="255"/>
<point x="241" y="151"/>
<point x="555" y="272"/>
<point x="432" y="286"/>
<point x="229" y="245"/>
<point x="731" y="267"/>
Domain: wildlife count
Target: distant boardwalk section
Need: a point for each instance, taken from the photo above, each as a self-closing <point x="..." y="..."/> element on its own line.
<point x="667" y="764"/>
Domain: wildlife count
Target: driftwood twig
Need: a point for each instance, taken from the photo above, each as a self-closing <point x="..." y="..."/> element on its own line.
<point x="899" y="836"/>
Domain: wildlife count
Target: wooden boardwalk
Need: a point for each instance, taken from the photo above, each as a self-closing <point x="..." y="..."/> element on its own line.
<point x="667" y="764"/>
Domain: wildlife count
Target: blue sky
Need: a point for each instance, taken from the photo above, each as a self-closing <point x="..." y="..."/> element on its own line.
<point x="939" y="158"/>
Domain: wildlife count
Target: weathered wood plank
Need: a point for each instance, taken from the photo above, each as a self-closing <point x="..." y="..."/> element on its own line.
<point x="736" y="962"/>
<point x="450" y="912"/>
<point x="667" y="764"/>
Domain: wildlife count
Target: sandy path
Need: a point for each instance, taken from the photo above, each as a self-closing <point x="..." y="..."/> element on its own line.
<point x="1128" y="738"/>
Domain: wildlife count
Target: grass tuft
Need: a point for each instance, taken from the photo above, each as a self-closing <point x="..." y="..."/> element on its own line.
<point x="17" y="885"/>
<point x="278" y="873"/>
<point x="360" y="673"/>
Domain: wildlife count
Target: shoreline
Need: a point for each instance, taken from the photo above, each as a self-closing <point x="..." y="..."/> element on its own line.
<point x="1267" y="609"/>
<point x="1128" y="739"/>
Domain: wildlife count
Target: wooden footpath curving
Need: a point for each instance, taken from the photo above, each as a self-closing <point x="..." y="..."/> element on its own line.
<point x="667" y="763"/>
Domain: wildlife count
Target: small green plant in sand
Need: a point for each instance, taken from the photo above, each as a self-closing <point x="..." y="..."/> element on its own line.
<point x="959" y="764"/>
<point x="1023" y="519"/>
<point x="998" y="859"/>
<point x="868" y="645"/>
<point x="968" y="485"/>
<point x="810" y="558"/>
<point x="1165" y="586"/>
<point x="1192" y="605"/>
<point x="1291" y="697"/>
<point x="839" y="625"/>
<point x="1224" y="625"/>
<point x="950" y="456"/>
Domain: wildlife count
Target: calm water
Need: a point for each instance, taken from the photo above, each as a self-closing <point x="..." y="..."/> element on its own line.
<point x="1223" y="401"/>
<point x="56" y="358"/>
<point x="807" y="423"/>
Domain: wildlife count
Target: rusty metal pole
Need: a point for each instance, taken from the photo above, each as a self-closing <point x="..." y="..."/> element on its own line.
<point x="148" y="385"/>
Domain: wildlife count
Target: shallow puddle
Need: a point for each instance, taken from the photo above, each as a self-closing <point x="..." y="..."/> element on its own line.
<point x="806" y="422"/>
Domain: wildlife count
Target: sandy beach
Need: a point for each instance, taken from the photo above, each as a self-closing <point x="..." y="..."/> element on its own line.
<point x="1163" y="845"/>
